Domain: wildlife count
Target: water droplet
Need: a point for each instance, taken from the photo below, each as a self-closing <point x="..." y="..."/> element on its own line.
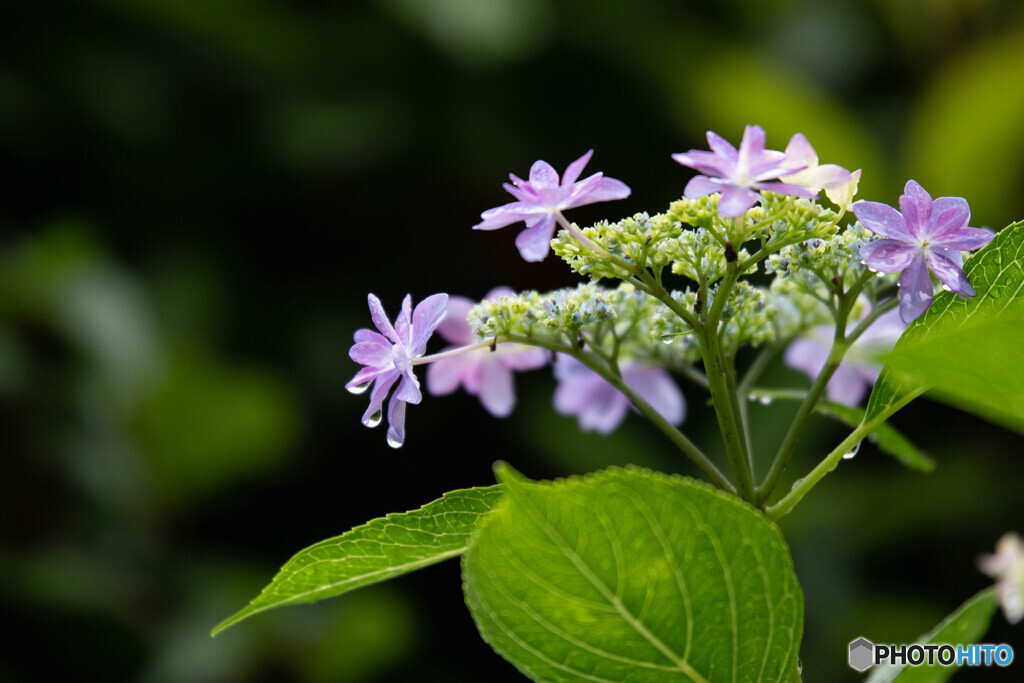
<point x="880" y="274"/>
<point x="667" y="338"/>
<point x="374" y="419"/>
<point x="946" y="288"/>
<point x="797" y="483"/>
<point x="359" y="388"/>
<point x="765" y="400"/>
<point x="393" y="442"/>
<point x="799" y="666"/>
<point x="850" y="454"/>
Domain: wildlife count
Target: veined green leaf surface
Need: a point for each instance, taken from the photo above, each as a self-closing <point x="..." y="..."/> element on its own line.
<point x="964" y="626"/>
<point x="378" y="550"/>
<point x="962" y="346"/>
<point x="631" y="576"/>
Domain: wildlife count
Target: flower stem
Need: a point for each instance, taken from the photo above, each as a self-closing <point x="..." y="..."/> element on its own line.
<point x="677" y="437"/>
<point x="803" y="486"/>
<point x="453" y="352"/>
<point x="840" y="345"/>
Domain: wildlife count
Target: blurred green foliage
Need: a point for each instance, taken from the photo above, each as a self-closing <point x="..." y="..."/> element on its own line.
<point x="200" y="194"/>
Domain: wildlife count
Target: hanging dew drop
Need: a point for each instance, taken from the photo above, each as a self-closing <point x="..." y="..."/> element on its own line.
<point x="765" y="400"/>
<point x="667" y="338"/>
<point x="797" y="483"/>
<point x="374" y="419"/>
<point x="880" y="274"/>
<point x="359" y="388"/>
<point x="852" y="453"/>
<point x="393" y="442"/>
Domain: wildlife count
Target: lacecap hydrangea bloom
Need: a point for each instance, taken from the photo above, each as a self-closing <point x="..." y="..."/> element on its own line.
<point x="541" y="199"/>
<point x="923" y="234"/>
<point x="388" y="355"/>
<point x="484" y="373"/>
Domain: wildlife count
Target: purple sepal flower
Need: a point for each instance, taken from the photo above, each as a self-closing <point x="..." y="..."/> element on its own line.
<point x="859" y="369"/>
<point x="483" y="373"/>
<point x="927" y="234"/>
<point x="600" y="407"/>
<point x="387" y="355"/>
<point x="542" y="197"/>
<point x="738" y="173"/>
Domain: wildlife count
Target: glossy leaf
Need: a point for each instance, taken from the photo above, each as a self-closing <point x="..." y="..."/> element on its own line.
<point x="964" y="626"/>
<point x="376" y="551"/>
<point x="961" y="346"/>
<point x="627" y="575"/>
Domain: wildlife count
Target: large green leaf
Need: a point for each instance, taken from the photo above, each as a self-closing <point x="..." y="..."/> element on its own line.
<point x="627" y="575"/>
<point x="964" y="347"/>
<point x="376" y="551"/>
<point x="964" y="626"/>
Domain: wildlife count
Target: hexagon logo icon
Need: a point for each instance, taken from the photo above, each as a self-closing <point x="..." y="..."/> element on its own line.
<point x="862" y="654"/>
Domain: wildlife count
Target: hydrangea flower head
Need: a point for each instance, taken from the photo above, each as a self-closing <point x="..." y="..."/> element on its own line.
<point x="923" y="234"/>
<point x="738" y="173"/>
<point x="860" y="368"/>
<point x="540" y="199"/>
<point x="483" y="373"/>
<point x="829" y="177"/>
<point x="600" y="407"/>
<point x="1007" y="568"/>
<point x="387" y="355"/>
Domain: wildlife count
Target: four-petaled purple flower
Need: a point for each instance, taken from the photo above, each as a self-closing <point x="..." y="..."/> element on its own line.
<point x="388" y="355"/>
<point x="737" y="173"/>
<point x="860" y="367"/>
<point x="484" y="373"/>
<point x="926" y="234"/>
<point x="600" y="407"/>
<point x="542" y="198"/>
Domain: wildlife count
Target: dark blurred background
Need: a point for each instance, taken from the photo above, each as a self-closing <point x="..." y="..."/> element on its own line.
<point x="200" y="194"/>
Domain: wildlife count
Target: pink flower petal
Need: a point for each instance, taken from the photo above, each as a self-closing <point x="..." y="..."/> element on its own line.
<point x="915" y="290"/>
<point x="883" y="220"/>
<point x="380" y="319"/>
<point x="428" y="315"/>
<point x="455" y="327"/>
<point x="700" y="186"/>
<point x="444" y="376"/>
<point x="656" y="387"/>
<point x="396" y="423"/>
<point x="735" y="201"/>
<point x="916" y="205"/>
<point x="497" y="393"/>
<point x="950" y="274"/>
<point x="542" y="175"/>
<point x="534" y="243"/>
<point x="573" y="171"/>
<point x="888" y="256"/>
<point x="597" y="189"/>
<point x="507" y="214"/>
<point x="722" y="147"/>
